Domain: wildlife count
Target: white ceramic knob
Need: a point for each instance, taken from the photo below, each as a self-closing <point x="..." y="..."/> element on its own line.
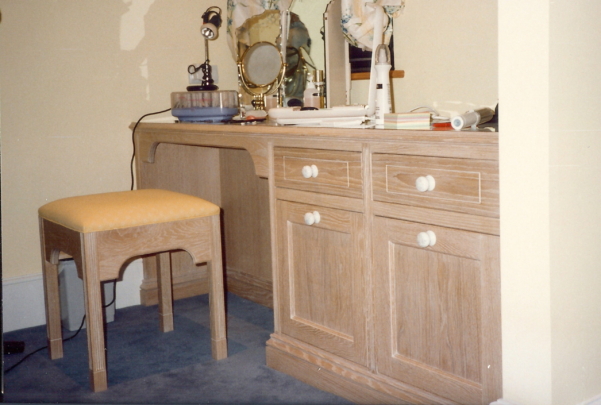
<point x="312" y="218"/>
<point x="432" y="237"/>
<point x="314" y="171"/>
<point x="309" y="218"/>
<point x="421" y="184"/>
<point x="316" y="216"/>
<point x="425" y="183"/>
<point x="307" y="172"/>
<point x="425" y="239"/>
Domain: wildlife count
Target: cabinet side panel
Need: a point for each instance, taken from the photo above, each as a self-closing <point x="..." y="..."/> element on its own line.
<point x="246" y="228"/>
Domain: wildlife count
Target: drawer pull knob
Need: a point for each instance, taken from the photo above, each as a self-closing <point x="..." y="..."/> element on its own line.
<point x="307" y="172"/>
<point x="425" y="183"/>
<point x="425" y="239"/>
<point x="310" y="171"/>
<point x="312" y="218"/>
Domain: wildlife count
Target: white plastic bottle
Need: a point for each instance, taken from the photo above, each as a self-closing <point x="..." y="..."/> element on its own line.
<point x="383" y="66"/>
<point x="311" y="95"/>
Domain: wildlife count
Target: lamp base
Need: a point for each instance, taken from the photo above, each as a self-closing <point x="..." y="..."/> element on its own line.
<point x="201" y="87"/>
<point x="207" y="79"/>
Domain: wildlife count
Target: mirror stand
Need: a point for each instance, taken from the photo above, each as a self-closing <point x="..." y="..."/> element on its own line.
<point x="259" y="92"/>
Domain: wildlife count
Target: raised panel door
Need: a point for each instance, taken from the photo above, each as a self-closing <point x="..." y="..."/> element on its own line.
<point x="437" y="310"/>
<point x="321" y="278"/>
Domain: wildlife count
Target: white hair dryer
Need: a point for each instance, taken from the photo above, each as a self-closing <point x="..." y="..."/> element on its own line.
<point x="472" y="118"/>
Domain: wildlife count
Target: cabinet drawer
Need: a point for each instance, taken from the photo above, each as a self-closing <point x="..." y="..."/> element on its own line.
<point x="323" y="171"/>
<point x="461" y="185"/>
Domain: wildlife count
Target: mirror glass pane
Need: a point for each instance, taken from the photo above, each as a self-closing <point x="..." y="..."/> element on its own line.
<point x="262" y="63"/>
<point x="311" y="14"/>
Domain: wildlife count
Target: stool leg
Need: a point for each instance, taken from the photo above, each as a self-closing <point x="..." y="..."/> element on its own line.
<point x="165" y="291"/>
<point x="216" y="294"/>
<point x="53" y="311"/>
<point x="52" y="301"/>
<point x="94" y="315"/>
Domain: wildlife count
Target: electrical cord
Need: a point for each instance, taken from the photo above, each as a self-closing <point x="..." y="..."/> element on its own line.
<point x="66" y="339"/>
<point x="133" y="141"/>
<point x="435" y="115"/>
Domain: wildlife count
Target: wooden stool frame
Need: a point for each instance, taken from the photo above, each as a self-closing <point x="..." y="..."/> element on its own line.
<point x="99" y="257"/>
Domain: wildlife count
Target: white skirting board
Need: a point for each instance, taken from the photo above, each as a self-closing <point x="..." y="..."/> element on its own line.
<point x="592" y="401"/>
<point x="23" y="297"/>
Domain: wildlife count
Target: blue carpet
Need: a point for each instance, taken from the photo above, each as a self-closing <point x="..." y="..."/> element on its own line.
<point x="137" y="349"/>
<point x="147" y="366"/>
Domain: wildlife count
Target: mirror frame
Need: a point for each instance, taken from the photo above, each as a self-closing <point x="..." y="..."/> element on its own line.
<point x="259" y="91"/>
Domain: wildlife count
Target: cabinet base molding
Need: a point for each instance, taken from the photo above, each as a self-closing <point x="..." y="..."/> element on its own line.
<point x="340" y="377"/>
<point x="149" y="293"/>
<point x="252" y="288"/>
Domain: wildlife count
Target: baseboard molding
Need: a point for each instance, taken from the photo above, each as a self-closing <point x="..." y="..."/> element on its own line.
<point x="591" y="401"/>
<point x="22" y="302"/>
<point x="249" y="287"/>
<point x="236" y="282"/>
<point x="23" y="297"/>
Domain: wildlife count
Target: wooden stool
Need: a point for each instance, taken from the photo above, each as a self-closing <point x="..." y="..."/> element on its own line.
<point x="102" y="231"/>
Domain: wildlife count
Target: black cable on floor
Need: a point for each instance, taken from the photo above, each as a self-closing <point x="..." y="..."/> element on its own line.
<point x="133" y="141"/>
<point x="45" y="347"/>
<point x="66" y="339"/>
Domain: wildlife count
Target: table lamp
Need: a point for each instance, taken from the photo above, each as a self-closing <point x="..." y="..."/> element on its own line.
<point x="211" y="21"/>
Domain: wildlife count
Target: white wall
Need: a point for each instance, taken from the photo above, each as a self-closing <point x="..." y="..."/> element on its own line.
<point x="575" y="198"/>
<point x="448" y="50"/>
<point x="524" y="187"/>
<point x="549" y="55"/>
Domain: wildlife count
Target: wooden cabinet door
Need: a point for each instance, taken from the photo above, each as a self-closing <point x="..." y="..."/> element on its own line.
<point x="321" y="286"/>
<point x="438" y="310"/>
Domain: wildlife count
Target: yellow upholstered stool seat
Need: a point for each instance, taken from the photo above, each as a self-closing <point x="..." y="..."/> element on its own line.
<point x="106" y="211"/>
<point x="102" y="231"/>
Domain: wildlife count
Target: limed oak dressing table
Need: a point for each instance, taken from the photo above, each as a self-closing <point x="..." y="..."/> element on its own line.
<point x="384" y="243"/>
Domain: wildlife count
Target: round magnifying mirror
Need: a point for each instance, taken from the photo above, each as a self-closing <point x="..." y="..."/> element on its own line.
<point x="260" y="71"/>
<point x="262" y="63"/>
